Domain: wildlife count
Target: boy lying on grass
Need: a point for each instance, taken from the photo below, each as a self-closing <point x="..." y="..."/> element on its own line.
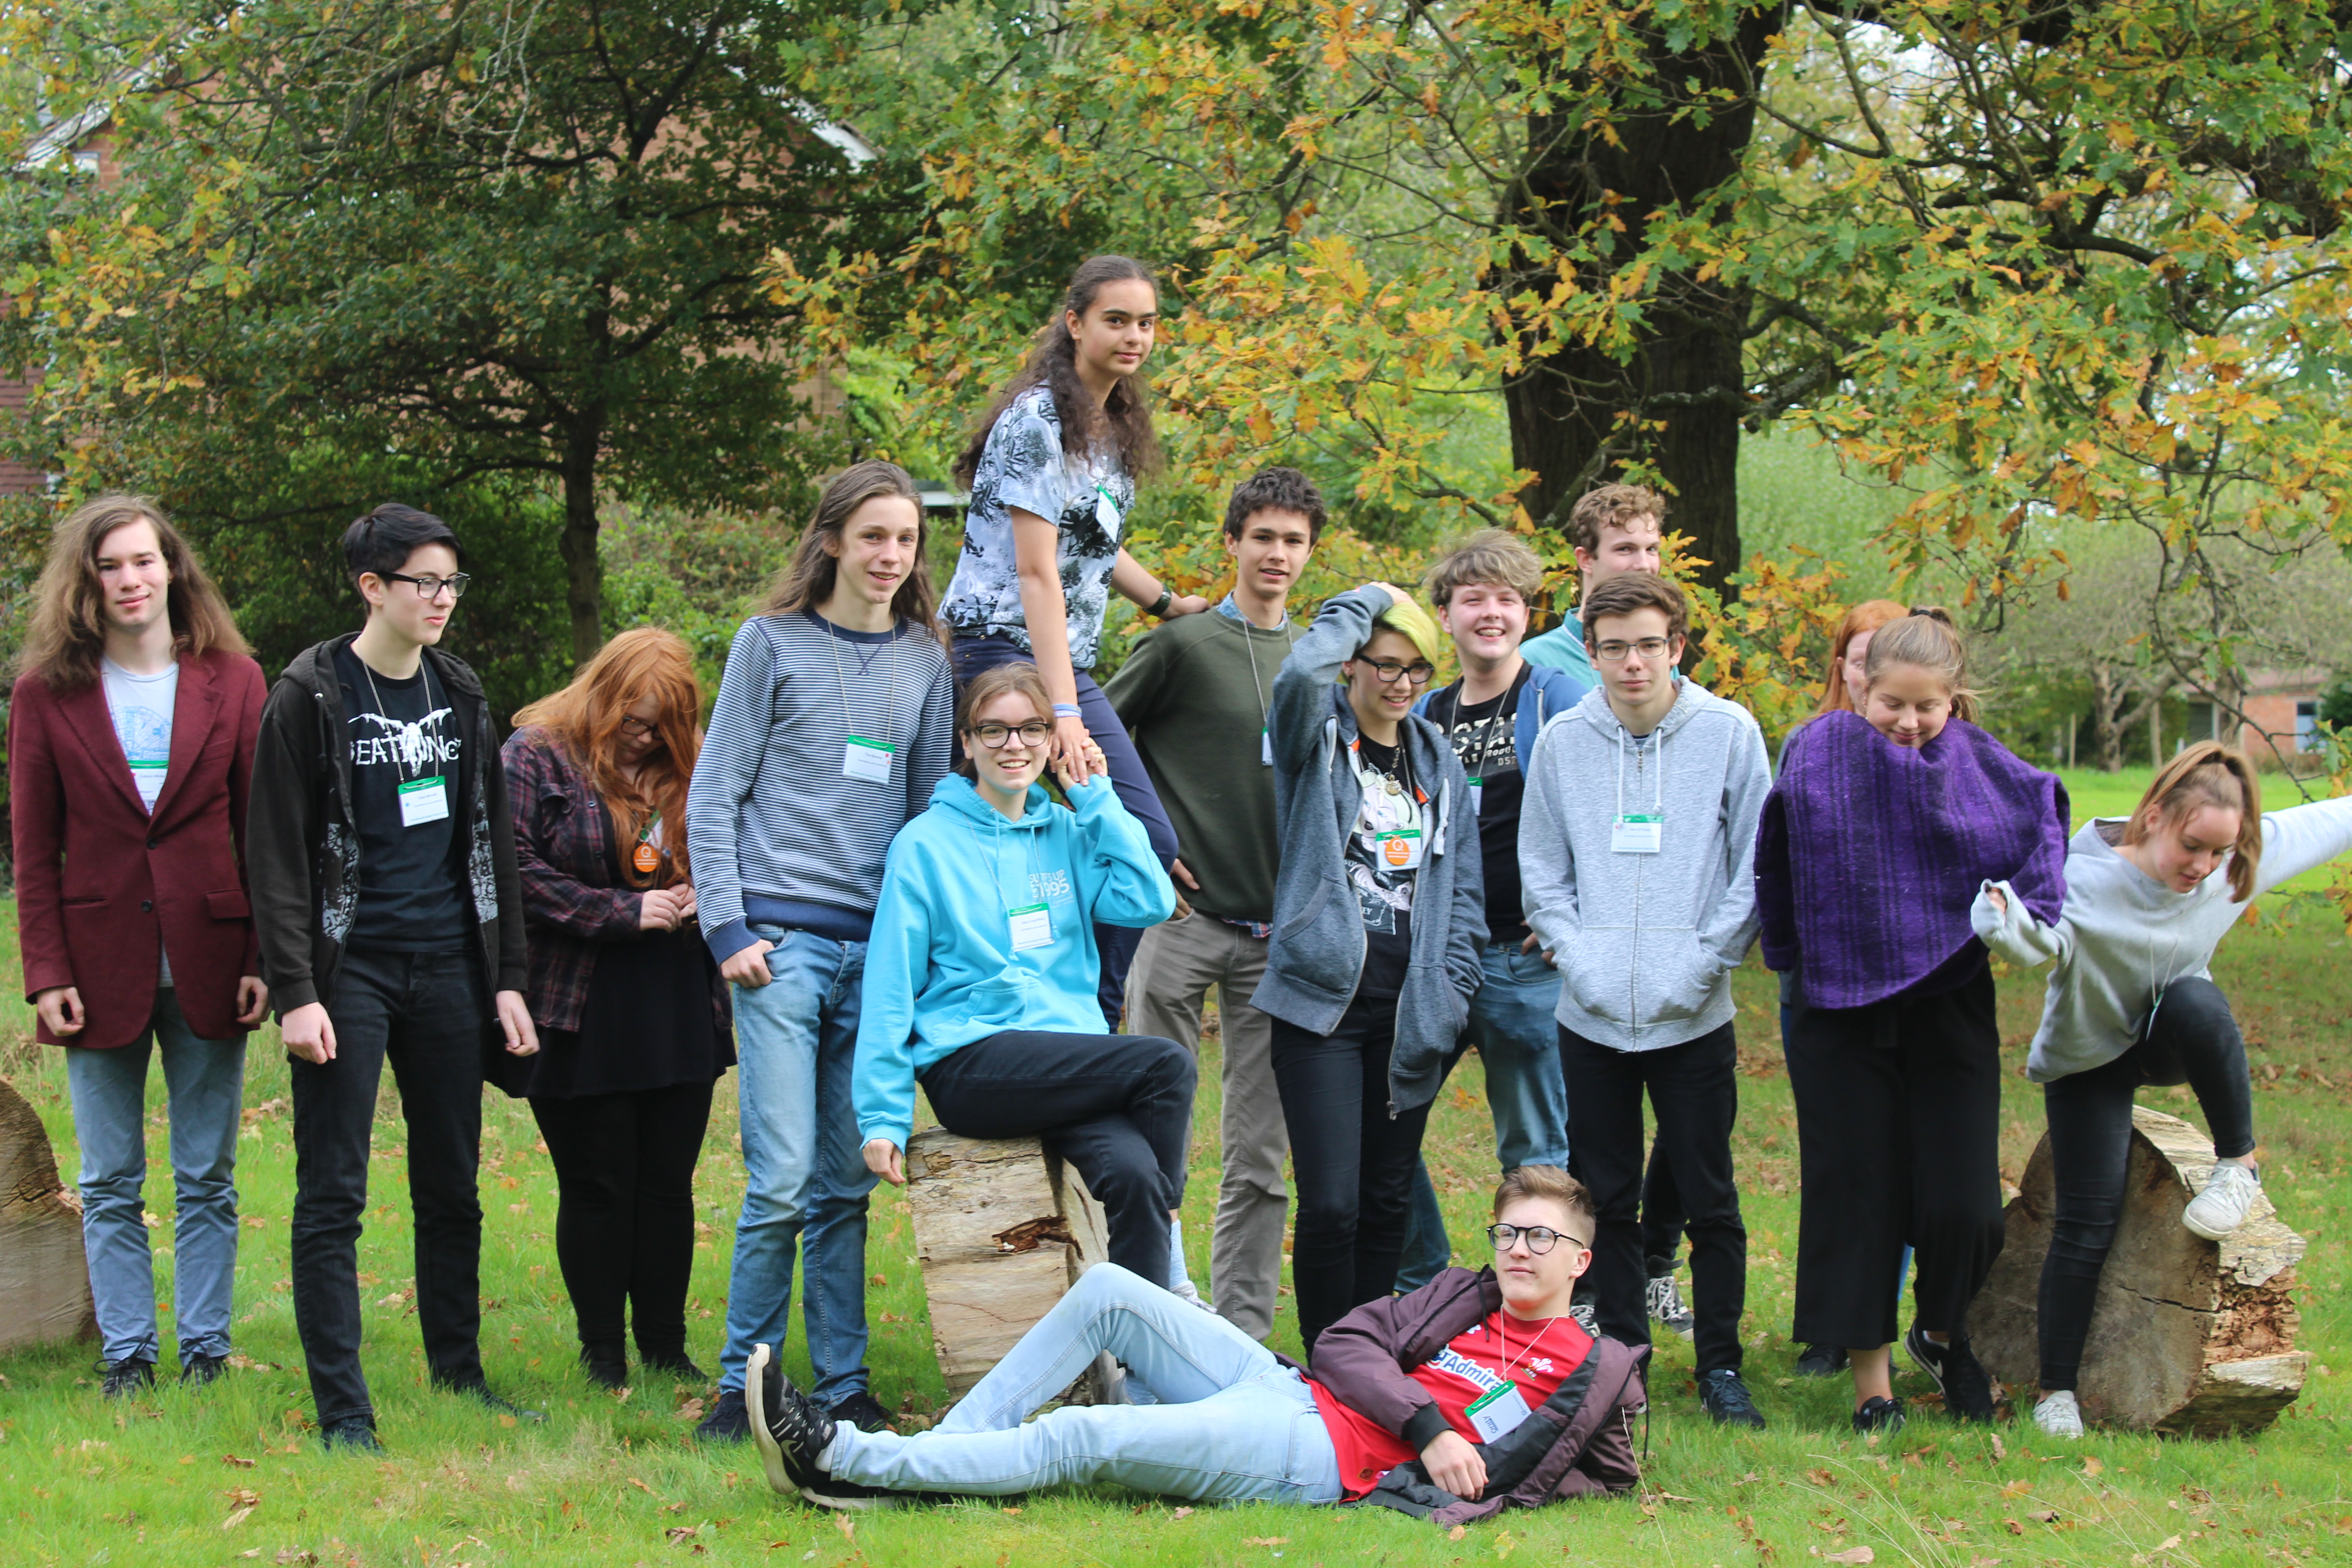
<point x="1473" y="1394"/>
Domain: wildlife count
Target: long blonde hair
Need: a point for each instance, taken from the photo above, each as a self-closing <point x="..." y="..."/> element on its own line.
<point x="2207" y="773"/>
<point x="584" y="719"/>
<point x="67" y="630"/>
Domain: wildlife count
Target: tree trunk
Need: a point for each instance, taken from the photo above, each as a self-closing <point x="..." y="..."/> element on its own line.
<point x="583" y="566"/>
<point x="1579" y="417"/>
<point x="2113" y="710"/>
<point x="2187" y="1336"/>
<point x="44" y="1276"/>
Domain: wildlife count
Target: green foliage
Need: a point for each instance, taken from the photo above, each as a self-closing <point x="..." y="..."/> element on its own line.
<point x="2336" y="704"/>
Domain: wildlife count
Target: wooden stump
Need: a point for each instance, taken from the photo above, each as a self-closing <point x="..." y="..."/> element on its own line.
<point x="1003" y="1229"/>
<point x="44" y="1276"/>
<point x="2187" y="1336"/>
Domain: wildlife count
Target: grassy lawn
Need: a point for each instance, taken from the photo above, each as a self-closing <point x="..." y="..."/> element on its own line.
<point x="231" y="1474"/>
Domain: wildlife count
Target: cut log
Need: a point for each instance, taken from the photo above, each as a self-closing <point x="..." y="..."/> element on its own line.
<point x="1002" y="1229"/>
<point x="44" y="1276"/>
<point x="2189" y="1336"/>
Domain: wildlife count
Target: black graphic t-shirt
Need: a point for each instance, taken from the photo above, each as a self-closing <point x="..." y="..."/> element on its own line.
<point x="1383" y="857"/>
<point x="1484" y="737"/>
<point x="403" y="734"/>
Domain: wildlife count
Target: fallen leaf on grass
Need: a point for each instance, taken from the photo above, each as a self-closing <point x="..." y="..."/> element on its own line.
<point x="296" y="1556"/>
<point x="1266" y="1540"/>
<point x="241" y="1504"/>
<point x="2092" y="1464"/>
<point x="1181" y="1513"/>
<point x="1853" y="1554"/>
<point x="2014" y="1528"/>
<point x="641" y="1486"/>
<point x="1818" y="1478"/>
<point x="847" y="1526"/>
<point x="236" y="1463"/>
<point x="2047" y="1516"/>
<point x="1457" y="1533"/>
<point x="1014" y="1512"/>
<point x="1999" y="1449"/>
<point x="2016" y="1488"/>
<point x="2168" y="1543"/>
<point x="681" y="1533"/>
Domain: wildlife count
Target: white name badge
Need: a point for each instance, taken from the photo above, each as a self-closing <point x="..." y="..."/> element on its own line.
<point x="1400" y="850"/>
<point x="1105" y="512"/>
<point x="1265" y="748"/>
<point x="1495" y="1412"/>
<point x="424" y="800"/>
<point x="868" y="760"/>
<point x="1033" y="926"/>
<point x="1477" y="794"/>
<point x="1636" y="834"/>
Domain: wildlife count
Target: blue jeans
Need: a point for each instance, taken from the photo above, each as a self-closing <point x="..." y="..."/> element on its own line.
<point x="1232" y="1422"/>
<point x="805" y="1179"/>
<point x="1512" y="1022"/>
<point x="206" y="1082"/>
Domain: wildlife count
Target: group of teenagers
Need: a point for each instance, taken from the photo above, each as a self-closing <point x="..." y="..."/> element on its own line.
<point x="857" y="881"/>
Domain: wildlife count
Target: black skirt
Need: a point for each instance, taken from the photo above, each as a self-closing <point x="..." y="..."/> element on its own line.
<point x="647" y="1024"/>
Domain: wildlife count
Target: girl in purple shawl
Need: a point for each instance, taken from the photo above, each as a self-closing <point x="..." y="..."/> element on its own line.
<point x="1883" y="824"/>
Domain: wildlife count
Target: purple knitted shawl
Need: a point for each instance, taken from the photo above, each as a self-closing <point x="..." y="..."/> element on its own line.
<point x="1871" y="853"/>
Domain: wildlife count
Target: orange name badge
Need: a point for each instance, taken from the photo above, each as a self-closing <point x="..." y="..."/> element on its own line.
<point x="1402" y="848"/>
<point x="647" y="859"/>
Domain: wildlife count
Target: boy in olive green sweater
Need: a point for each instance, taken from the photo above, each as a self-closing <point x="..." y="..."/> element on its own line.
<point x="1194" y="695"/>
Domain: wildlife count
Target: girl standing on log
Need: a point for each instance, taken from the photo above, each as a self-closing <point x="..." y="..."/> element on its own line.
<point x="981" y="976"/>
<point x="1052" y="470"/>
<point x="2132" y="1001"/>
<point x="1883" y="823"/>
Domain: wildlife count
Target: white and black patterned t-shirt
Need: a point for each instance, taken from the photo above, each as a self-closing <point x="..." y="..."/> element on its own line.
<point x="404" y="741"/>
<point x="1023" y="465"/>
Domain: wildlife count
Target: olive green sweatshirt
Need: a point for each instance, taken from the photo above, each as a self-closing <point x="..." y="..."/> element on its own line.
<point x="1190" y="696"/>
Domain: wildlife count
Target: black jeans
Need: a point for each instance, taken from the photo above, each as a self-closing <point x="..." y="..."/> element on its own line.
<point x="2192" y="1040"/>
<point x="1693" y="1088"/>
<point x="1353" y="1162"/>
<point x="1898" y="1136"/>
<point x="1115" y="944"/>
<point x="1661" y="1209"/>
<point x="427" y="1014"/>
<point x="624" y="1209"/>
<point x="1119" y="1107"/>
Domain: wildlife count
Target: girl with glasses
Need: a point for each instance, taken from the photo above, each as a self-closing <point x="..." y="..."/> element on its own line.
<point x="981" y="976"/>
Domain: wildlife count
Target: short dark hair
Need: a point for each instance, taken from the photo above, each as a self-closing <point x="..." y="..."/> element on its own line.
<point x="385" y="538"/>
<point x="1283" y="489"/>
<point x="1630" y="591"/>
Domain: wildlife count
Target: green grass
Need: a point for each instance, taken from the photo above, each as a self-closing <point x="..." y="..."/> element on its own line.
<point x="614" y="1481"/>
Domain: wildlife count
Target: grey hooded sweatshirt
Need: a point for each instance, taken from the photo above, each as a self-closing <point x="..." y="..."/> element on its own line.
<point x="1645" y="943"/>
<point x="1317" y="954"/>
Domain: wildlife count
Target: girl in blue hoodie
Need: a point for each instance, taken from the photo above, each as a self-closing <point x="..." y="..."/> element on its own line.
<point x="980" y="975"/>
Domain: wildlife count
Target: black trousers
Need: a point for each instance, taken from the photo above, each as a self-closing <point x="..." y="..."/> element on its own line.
<point x="2192" y="1040"/>
<point x="1693" y="1088"/>
<point x="624" y="1210"/>
<point x="1898" y="1130"/>
<point x="1352" y="1161"/>
<point x="427" y="1014"/>
<point x="1661" y="1209"/>
<point x="1117" y="1107"/>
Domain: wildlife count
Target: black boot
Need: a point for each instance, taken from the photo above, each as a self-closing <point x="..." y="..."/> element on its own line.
<point x="606" y="1363"/>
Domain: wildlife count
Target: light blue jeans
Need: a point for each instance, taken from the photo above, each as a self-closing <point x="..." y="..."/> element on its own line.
<point x="1232" y="1423"/>
<point x="1513" y="1024"/>
<point x="206" y="1083"/>
<point x="805" y="1167"/>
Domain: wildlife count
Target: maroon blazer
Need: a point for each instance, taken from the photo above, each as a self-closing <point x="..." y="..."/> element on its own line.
<point x="99" y="883"/>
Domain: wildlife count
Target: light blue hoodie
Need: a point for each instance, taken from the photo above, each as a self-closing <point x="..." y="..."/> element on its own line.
<point x="941" y="969"/>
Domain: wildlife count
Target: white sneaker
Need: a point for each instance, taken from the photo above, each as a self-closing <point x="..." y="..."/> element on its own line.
<point x="2058" y="1415"/>
<point x="2229" y="1196"/>
<point x="1582" y="1312"/>
<point x="1185" y="1290"/>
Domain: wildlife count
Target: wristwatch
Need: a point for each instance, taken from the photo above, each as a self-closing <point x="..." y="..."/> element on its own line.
<point x="1159" y="611"/>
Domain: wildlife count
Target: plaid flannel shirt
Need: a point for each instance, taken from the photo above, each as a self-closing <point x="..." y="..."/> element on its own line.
<point x="570" y="901"/>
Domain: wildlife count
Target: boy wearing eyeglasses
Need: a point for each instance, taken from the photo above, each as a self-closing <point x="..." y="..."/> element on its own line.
<point x="1635" y="848"/>
<point x="382" y="858"/>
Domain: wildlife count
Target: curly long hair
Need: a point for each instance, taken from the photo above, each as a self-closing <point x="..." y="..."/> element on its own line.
<point x="66" y="634"/>
<point x="584" y="719"/>
<point x="1124" y="418"/>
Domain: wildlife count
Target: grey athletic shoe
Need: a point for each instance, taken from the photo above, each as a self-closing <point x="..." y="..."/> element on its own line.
<point x="1667" y="1307"/>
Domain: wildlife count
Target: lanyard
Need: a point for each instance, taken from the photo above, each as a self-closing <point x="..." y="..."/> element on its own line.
<point x="891" y="683"/>
<point x="424" y="668"/>
<point x="1503" y="1332"/>
<point x="1486" y="736"/>
<point x="1257" y="684"/>
<point x="1657" y="783"/>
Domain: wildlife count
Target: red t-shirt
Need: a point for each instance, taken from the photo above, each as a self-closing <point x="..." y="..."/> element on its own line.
<point x="1537" y="1356"/>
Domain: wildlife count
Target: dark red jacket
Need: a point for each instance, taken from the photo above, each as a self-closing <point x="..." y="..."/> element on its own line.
<point x="99" y="883"/>
<point x="1577" y="1443"/>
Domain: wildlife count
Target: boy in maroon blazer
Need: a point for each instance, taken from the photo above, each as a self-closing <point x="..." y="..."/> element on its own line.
<point x="131" y="737"/>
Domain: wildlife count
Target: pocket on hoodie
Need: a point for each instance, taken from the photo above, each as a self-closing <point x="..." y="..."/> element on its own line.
<point x="1596" y="972"/>
<point x="1304" y="918"/>
<point x="1681" y="977"/>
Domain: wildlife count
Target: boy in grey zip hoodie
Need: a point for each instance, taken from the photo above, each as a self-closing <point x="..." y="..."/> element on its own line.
<point x="1635" y="847"/>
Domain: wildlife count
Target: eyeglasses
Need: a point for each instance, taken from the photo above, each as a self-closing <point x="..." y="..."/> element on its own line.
<point x="429" y="586"/>
<point x="996" y="737"/>
<point x="642" y="729"/>
<point x="1615" y="652"/>
<point x="1386" y="671"/>
<point x="1539" y="1238"/>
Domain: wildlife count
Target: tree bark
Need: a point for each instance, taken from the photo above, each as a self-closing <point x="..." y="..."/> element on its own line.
<point x="44" y="1276"/>
<point x="1579" y="417"/>
<point x="583" y="564"/>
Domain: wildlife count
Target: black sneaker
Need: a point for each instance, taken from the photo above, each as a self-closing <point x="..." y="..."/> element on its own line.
<point x="1725" y="1397"/>
<point x="1969" y="1390"/>
<point x="199" y="1370"/>
<point x="863" y="1411"/>
<point x="790" y="1430"/>
<point x="353" y="1434"/>
<point x="728" y="1421"/>
<point x="128" y="1376"/>
<point x="1820" y="1361"/>
<point x="1878" y="1415"/>
<point x="673" y="1363"/>
<point x="479" y="1392"/>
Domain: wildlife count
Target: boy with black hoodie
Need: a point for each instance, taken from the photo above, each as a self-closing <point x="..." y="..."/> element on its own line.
<point x="382" y="858"/>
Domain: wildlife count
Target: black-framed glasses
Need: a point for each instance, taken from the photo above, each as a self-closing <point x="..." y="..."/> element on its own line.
<point x="1614" y="652"/>
<point x="640" y="729"/>
<point x="1540" y="1238"/>
<point x="996" y="737"/>
<point x="1385" y="670"/>
<point x="429" y="586"/>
